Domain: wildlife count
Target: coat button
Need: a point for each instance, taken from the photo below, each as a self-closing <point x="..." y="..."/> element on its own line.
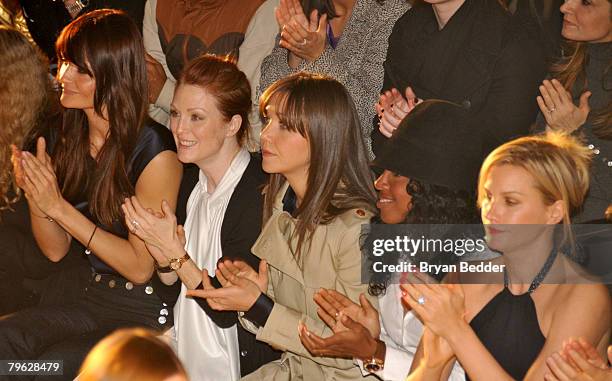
<point x="129" y="285"/>
<point x="163" y="312"/>
<point x="161" y="320"/>
<point x="111" y="283"/>
<point x="244" y="353"/>
<point x="466" y="104"/>
<point x="98" y="277"/>
<point x="149" y="291"/>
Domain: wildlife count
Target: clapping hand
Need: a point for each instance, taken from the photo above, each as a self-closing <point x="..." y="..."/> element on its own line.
<point x="392" y="108"/>
<point x="35" y="175"/>
<point x="441" y="307"/>
<point x="558" y="108"/>
<point x="356" y="327"/>
<point x="305" y="38"/>
<point x="332" y="303"/>
<point x="159" y="231"/>
<point x="579" y="361"/>
<point x="238" y="293"/>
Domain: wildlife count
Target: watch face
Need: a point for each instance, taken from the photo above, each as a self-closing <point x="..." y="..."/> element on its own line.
<point x="175" y="265"/>
<point x="372" y="367"/>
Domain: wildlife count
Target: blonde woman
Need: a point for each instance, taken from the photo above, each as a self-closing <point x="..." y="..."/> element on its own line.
<point x="507" y="331"/>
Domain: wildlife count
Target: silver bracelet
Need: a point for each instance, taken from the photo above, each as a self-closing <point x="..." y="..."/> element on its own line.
<point x="76" y="7"/>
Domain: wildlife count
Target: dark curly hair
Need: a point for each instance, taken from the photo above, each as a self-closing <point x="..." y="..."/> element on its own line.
<point x="431" y="204"/>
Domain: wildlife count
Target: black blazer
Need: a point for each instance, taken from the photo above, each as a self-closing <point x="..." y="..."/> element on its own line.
<point x="239" y="231"/>
<point x="482" y="59"/>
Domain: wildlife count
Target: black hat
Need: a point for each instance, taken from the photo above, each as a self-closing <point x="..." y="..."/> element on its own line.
<point x="432" y="144"/>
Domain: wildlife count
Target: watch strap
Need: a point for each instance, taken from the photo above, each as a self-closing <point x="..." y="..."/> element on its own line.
<point x="164" y="269"/>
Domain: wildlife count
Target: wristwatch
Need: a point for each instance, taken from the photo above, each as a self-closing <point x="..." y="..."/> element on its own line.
<point x="76" y="7"/>
<point x="176" y="263"/>
<point x="377" y="362"/>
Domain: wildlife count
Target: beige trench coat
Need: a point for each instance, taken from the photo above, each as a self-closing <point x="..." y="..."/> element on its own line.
<point x="333" y="261"/>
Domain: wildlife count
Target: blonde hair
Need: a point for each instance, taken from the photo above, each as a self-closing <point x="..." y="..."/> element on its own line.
<point x="131" y="354"/>
<point x="24" y="96"/>
<point x="558" y="163"/>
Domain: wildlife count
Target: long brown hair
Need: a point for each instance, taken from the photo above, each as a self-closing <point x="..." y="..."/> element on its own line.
<point x="25" y="96"/>
<point x="321" y="110"/>
<point x="107" y="45"/>
<point x="571" y="72"/>
<point x="131" y="354"/>
<point x="221" y="78"/>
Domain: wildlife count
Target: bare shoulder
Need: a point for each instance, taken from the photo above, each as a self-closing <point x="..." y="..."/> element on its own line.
<point x="161" y="178"/>
<point x="585" y="304"/>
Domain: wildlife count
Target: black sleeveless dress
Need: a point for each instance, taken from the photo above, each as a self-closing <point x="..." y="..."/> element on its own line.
<point x="508" y="326"/>
<point x="67" y="330"/>
<point x="140" y="300"/>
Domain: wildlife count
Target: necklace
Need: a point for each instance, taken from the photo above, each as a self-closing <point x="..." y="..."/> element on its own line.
<point x="537" y="281"/>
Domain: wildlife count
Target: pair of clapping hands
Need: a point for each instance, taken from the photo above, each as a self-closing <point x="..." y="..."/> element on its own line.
<point x="392" y="108"/>
<point x="578" y="361"/>
<point x="35" y="175"/>
<point x="555" y="102"/>
<point x="356" y="327"/>
<point x="165" y="240"/>
<point x="304" y="37"/>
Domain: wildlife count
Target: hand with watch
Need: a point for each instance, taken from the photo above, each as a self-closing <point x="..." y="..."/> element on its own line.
<point x="356" y="330"/>
<point x="164" y="239"/>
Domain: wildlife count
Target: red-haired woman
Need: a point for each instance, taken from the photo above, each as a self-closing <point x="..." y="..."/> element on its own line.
<point x="209" y="120"/>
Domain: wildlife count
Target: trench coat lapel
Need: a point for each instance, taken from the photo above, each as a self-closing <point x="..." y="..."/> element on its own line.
<point x="275" y="243"/>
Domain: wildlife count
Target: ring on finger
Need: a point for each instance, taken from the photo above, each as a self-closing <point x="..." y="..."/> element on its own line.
<point x="552" y="109"/>
<point x="303" y="42"/>
<point x="135" y="224"/>
<point x="421" y="300"/>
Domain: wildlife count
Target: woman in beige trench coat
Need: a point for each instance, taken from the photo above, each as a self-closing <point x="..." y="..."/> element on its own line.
<point x="318" y="196"/>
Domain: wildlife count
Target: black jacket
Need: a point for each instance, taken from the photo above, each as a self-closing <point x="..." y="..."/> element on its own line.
<point x="482" y="59"/>
<point x="239" y="231"/>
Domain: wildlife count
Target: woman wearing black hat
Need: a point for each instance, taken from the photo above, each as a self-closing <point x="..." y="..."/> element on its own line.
<point x="424" y="182"/>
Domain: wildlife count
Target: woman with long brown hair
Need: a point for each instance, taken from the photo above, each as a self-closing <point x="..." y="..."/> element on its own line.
<point x="578" y="98"/>
<point x="104" y="152"/>
<point x="318" y="196"/>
